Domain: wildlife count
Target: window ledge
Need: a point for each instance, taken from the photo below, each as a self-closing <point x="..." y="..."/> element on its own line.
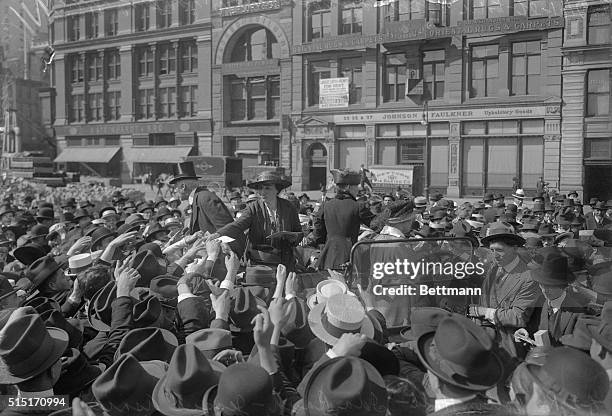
<point x="254" y="121"/>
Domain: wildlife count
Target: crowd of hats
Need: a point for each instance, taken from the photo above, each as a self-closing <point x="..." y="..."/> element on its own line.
<point x="170" y="345"/>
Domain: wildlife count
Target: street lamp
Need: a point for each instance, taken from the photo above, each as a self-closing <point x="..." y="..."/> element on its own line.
<point x="425" y="122"/>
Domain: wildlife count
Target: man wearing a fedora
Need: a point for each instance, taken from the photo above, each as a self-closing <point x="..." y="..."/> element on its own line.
<point x="509" y="294"/>
<point x="562" y="307"/>
<point x="462" y="364"/>
<point x="337" y="224"/>
<point x="269" y="215"/>
<point x="25" y="335"/>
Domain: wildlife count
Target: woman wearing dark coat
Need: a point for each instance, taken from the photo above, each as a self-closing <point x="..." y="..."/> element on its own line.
<point x="338" y="222"/>
<point x="268" y="215"/>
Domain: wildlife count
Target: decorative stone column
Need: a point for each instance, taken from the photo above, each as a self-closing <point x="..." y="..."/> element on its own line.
<point x="370" y="145"/>
<point x="454" y="156"/>
<point x="61" y="75"/>
<point x="127" y="88"/>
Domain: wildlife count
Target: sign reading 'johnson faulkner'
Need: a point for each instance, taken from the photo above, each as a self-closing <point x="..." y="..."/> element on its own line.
<point x="405" y="31"/>
<point x="334" y="93"/>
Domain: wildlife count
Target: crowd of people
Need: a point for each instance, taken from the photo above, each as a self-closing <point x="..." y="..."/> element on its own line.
<point x="248" y="304"/>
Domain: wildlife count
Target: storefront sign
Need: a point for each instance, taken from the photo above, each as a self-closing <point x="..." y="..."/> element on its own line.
<point x="250" y="8"/>
<point x="334" y="93"/>
<point x="407" y="31"/>
<point x="132" y="128"/>
<point x="444" y="115"/>
<point x="394" y="176"/>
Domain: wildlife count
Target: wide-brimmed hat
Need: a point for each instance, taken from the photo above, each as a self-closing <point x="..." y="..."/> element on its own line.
<point x="183" y="171"/>
<point x="498" y="231"/>
<point x="422" y="321"/>
<point x="45" y="214"/>
<point x="296" y="329"/>
<point x="554" y="269"/>
<point x="77" y="374"/>
<point x="210" y="341"/>
<point x="126" y="387"/>
<point x="70" y="202"/>
<point x="38" y="230"/>
<point x="600" y="205"/>
<point x="147" y="311"/>
<point x="571" y="376"/>
<point x="181" y="390"/>
<point x="342" y="313"/>
<point x="148" y="343"/>
<point x="164" y="288"/>
<point x="99" y="310"/>
<point x="79" y="263"/>
<point x="6" y="209"/>
<point x="149" y="267"/>
<point x="581" y="337"/>
<point x="420" y="202"/>
<point x="460" y="353"/>
<point x="28" y="347"/>
<point x="28" y="254"/>
<point x="601" y="278"/>
<point x="243" y="389"/>
<point x="347" y="383"/>
<point x="519" y="193"/>
<point x="80" y="213"/>
<point x="55" y="318"/>
<point x="99" y="234"/>
<point x="107" y="212"/>
<point x="43" y="304"/>
<point x="243" y="310"/>
<point x="326" y="289"/>
<point x="154" y="231"/>
<point x="42" y="269"/>
<point x="259" y="275"/>
<point x="162" y="212"/>
<point x="270" y="178"/>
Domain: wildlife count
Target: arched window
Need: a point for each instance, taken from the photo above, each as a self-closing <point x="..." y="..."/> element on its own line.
<point x="256" y="44"/>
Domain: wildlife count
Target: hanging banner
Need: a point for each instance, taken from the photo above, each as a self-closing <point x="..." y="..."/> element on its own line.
<point x="334" y="93"/>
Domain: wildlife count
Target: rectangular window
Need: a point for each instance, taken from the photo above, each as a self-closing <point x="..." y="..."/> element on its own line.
<point x="438" y="162"/>
<point x="351" y="153"/>
<point x="91" y="25"/>
<point x="94" y="67"/>
<point x="532" y="160"/>
<point x="113" y="105"/>
<point x="238" y="99"/>
<point x="145" y="108"/>
<point x="189" y="95"/>
<point x="394" y="88"/>
<point x="167" y="102"/>
<point x="164" y="13"/>
<point x="189" y="57"/>
<point x="162" y="139"/>
<point x="74" y="28"/>
<point x="598" y="92"/>
<point x="111" y="18"/>
<point x="77" y="106"/>
<point x="352" y="69"/>
<point x="256" y="98"/>
<point x="529" y="8"/>
<point x="94" y="107"/>
<point x="76" y="70"/>
<point x="526" y="68"/>
<point x="143" y="17"/>
<point x="317" y="72"/>
<point x="484" y="71"/>
<point x="187" y="12"/>
<point x="319" y="19"/>
<point x="145" y="61"/>
<point x="501" y="161"/>
<point x="486" y="9"/>
<point x="433" y="74"/>
<point x="113" y="59"/>
<point x="599" y="25"/>
<point x="411" y="151"/>
<point x="167" y="59"/>
<point x="351" y="16"/>
<point x="473" y="166"/>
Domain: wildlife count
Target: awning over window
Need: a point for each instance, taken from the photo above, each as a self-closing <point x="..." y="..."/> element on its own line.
<point x="87" y="154"/>
<point x="160" y="154"/>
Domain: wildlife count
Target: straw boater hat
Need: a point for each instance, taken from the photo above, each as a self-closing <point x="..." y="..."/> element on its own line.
<point x="270" y="178"/>
<point x="341" y="314"/>
<point x="326" y="289"/>
<point x="520" y="194"/>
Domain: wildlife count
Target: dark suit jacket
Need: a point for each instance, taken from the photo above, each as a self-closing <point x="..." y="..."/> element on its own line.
<point x="476" y="406"/>
<point x="591" y="224"/>
<point x="210" y="214"/>
<point x="564" y="321"/>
